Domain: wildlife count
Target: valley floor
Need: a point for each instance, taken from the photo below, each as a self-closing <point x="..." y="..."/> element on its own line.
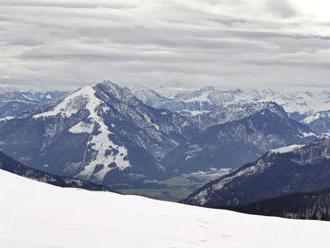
<point x="37" y="215"/>
<point x="176" y="188"/>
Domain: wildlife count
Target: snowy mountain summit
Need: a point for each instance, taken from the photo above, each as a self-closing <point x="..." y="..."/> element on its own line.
<point x="86" y="102"/>
<point x="101" y="133"/>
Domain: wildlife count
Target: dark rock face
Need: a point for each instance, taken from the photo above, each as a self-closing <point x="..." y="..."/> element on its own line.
<point x="280" y="172"/>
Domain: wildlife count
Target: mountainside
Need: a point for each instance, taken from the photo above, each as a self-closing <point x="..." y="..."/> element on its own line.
<point x="150" y="97"/>
<point x="234" y="112"/>
<point x="235" y="143"/>
<point x="101" y="133"/>
<point x="15" y="103"/>
<point x="308" y="107"/>
<point x="12" y="166"/>
<point x="288" y="170"/>
<point x="37" y="215"/>
<point x="320" y="121"/>
<point x="185" y="102"/>
<point x="309" y="205"/>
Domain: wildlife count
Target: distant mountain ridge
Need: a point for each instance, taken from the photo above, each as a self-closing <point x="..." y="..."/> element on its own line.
<point x="307" y="107"/>
<point x="16" y="103"/>
<point x="235" y="112"/>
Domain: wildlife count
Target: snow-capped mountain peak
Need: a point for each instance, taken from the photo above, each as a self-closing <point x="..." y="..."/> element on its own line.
<point x="100" y="141"/>
<point x="105" y="131"/>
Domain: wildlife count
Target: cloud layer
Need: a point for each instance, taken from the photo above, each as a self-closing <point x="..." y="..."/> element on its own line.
<point x="239" y="43"/>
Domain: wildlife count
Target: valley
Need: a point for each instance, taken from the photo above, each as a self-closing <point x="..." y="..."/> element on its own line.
<point x="175" y="188"/>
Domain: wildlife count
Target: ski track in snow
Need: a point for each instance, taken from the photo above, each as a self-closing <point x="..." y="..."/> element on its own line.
<point x="37" y="215"/>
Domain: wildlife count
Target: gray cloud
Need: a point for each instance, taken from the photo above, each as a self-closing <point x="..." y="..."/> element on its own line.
<point x="281" y="8"/>
<point x="255" y="43"/>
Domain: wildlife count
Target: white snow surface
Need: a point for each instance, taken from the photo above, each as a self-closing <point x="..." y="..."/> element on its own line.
<point x="287" y="149"/>
<point x="7" y="118"/>
<point x="315" y="116"/>
<point x="37" y="215"/>
<point x="82" y="127"/>
<point x="69" y="106"/>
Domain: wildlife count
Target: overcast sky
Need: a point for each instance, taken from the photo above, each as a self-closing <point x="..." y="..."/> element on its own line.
<point x="237" y="43"/>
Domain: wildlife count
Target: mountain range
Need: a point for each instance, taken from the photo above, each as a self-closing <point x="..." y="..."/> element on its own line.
<point x="105" y="136"/>
<point x="109" y="135"/>
<point x="101" y="133"/>
<point x="310" y="107"/>
<point x="237" y="142"/>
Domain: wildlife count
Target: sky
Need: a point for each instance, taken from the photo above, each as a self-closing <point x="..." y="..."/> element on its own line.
<point x="190" y="43"/>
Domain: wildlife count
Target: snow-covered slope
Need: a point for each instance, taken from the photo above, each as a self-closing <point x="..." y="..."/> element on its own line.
<point x="37" y="215"/>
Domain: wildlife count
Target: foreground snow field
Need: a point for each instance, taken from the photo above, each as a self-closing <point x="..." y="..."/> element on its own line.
<point x="37" y="215"/>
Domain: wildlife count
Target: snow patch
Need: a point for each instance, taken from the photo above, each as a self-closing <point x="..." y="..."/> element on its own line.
<point x="82" y="127"/>
<point x="287" y="149"/>
<point x="69" y="106"/>
<point x="308" y="134"/>
<point x="7" y="118"/>
<point x="311" y="118"/>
